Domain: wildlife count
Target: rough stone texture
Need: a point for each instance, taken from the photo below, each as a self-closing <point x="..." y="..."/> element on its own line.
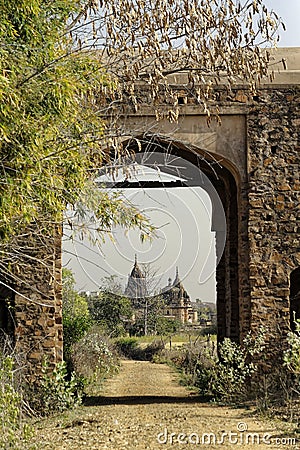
<point x="38" y="304"/>
<point x="274" y="205"/>
<point x="257" y="147"/>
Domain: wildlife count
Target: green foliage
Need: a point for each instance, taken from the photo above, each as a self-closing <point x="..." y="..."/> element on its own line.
<point x="225" y="377"/>
<point x="73" y="303"/>
<point x="165" y="326"/>
<point x="126" y="346"/>
<point x="209" y="330"/>
<point x="129" y="348"/>
<point x="14" y="431"/>
<point x="76" y="317"/>
<point x="151" y="352"/>
<point x="43" y="92"/>
<point x="110" y="309"/>
<point x="221" y="376"/>
<point x="149" y="317"/>
<point x="227" y="381"/>
<point x="291" y="355"/>
<point x="74" y="329"/>
<point x="56" y="392"/>
<point x="291" y="361"/>
<point x="51" y="131"/>
<point x="93" y="357"/>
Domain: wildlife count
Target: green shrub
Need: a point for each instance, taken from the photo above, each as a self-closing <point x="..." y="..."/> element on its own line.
<point x="76" y="317"/>
<point x="221" y="375"/>
<point x="166" y="326"/>
<point x="57" y="391"/>
<point x="209" y="330"/>
<point x="74" y="330"/>
<point x="151" y="351"/>
<point x="129" y="348"/>
<point x="14" y="431"/>
<point x="224" y="376"/>
<point x="126" y="346"/>
<point x="291" y="359"/>
<point x="291" y="355"/>
<point x="93" y="357"/>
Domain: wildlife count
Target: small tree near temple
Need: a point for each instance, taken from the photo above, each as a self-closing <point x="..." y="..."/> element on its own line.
<point x="109" y="307"/>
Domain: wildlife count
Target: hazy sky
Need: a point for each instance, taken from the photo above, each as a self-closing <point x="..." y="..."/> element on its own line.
<point x="289" y="11"/>
<point x="184" y="240"/>
<point x="183" y="218"/>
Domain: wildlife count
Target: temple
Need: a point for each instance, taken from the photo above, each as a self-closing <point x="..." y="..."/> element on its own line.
<point x="177" y="302"/>
<point x="136" y="286"/>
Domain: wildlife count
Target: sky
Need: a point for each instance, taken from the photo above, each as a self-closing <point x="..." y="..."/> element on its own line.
<point x="184" y="239"/>
<point x="182" y="242"/>
<point x="289" y="11"/>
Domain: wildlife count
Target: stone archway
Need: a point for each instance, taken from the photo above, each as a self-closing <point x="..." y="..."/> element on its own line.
<point x="233" y="316"/>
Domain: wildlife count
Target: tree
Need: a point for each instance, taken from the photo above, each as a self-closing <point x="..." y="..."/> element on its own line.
<point x="74" y="304"/>
<point x="50" y="129"/>
<point x="149" y="42"/>
<point x="143" y="290"/>
<point x="148" y="312"/>
<point x="110" y="308"/>
<point x="167" y="326"/>
<point x="68" y="68"/>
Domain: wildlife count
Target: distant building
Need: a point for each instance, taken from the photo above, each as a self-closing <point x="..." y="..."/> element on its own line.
<point x="136" y="286"/>
<point x="177" y="302"/>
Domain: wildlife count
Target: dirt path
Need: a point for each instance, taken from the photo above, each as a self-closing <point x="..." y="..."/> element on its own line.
<point x="144" y="407"/>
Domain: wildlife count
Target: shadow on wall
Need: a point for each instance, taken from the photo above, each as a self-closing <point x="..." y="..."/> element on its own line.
<point x="294" y="296"/>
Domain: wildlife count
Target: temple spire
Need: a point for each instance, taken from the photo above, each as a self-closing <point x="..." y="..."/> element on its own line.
<point x="177" y="280"/>
<point x="136" y="286"/>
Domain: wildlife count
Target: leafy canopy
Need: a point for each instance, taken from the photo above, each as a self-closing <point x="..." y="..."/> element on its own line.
<point x="50" y="128"/>
<point x="110" y="308"/>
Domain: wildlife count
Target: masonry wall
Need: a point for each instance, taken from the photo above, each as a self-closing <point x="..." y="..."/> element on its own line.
<point x="38" y="303"/>
<point x="259" y="140"/>
<point x="274" y="207"/>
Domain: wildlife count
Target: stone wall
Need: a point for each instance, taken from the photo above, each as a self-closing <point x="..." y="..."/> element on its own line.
<point x="258" y="142"/>
<point x="38" y="303"/>
<point x="274" y="205"/>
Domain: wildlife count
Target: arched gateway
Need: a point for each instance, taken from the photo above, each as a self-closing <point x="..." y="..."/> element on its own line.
<point x="221" y="179"/>
<point x="252" y="159"/>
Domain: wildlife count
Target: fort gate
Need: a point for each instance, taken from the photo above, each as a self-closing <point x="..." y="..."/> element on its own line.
<point x="257" y="151"/>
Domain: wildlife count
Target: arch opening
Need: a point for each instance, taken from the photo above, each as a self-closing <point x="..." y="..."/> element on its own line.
<point x="224" y="182"/>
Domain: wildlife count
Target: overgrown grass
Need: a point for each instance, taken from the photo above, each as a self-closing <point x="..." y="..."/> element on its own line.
<point x="131" y="348"/>
<point x="177" y="338"/>
<point x="15" y="432"/>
